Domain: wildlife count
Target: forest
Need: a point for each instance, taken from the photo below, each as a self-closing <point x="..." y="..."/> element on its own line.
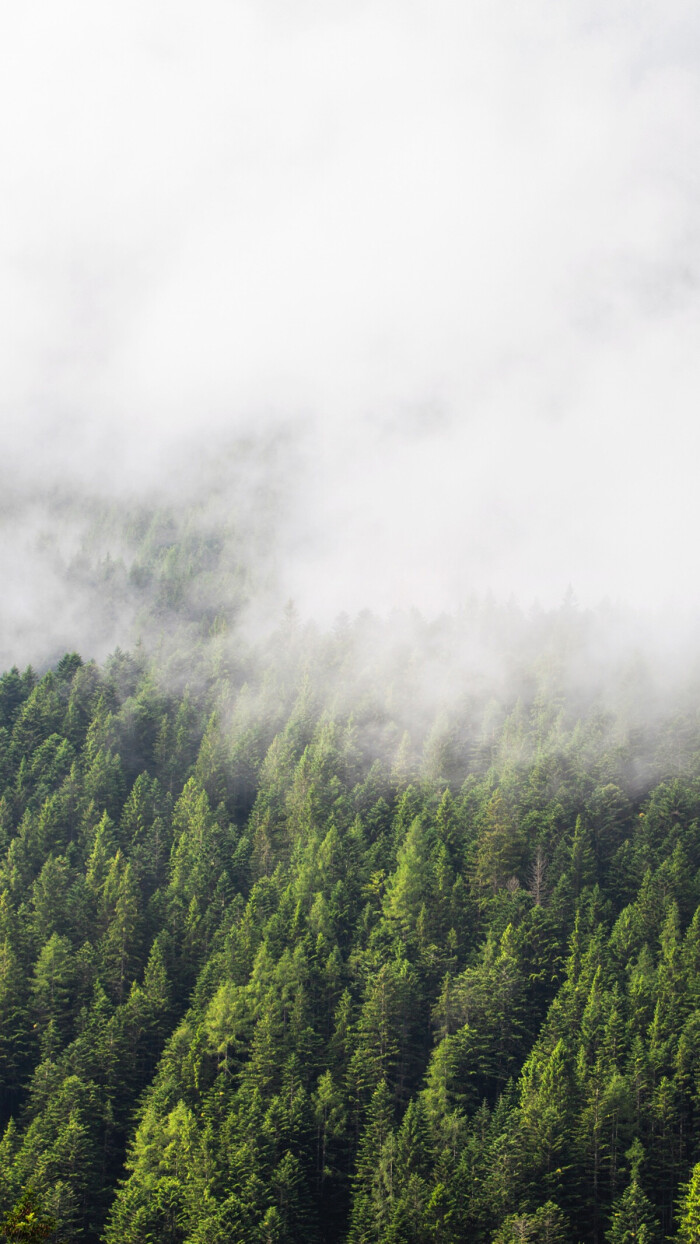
<point x="386" y="931"/>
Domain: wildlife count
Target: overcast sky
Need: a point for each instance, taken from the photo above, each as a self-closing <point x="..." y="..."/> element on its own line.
<point x="457" y="243"/>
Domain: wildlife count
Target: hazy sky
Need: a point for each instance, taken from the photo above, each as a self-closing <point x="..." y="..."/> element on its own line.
<point x="457" y="243"/>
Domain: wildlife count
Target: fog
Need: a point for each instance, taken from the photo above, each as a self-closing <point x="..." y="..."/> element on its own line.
<point x="437" y="264"/>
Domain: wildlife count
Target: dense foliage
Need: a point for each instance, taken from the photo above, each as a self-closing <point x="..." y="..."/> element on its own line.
<point x="301" y="952"/>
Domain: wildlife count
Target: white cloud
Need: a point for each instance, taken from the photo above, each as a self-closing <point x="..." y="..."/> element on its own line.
<point x="460" y="240"/>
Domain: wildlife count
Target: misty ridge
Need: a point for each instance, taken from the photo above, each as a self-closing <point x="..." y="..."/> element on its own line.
<point x="195" y="579"/>
<point x="349" y="659"/>
<point x="303" y="925"/>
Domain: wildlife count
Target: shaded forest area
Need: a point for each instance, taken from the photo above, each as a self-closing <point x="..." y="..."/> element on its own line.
<point x="302" y="940"/>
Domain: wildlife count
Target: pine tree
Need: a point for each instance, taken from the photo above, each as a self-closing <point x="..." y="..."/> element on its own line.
<point x="689" y="1211"/>
<point x="52" y="985"/>
<point x="373" y="1181"/>
<point x="633" y="1218"/>
<point x="120" y="943"/>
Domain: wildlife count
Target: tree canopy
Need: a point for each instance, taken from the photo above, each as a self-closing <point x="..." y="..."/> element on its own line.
<point x="300" y="949"/>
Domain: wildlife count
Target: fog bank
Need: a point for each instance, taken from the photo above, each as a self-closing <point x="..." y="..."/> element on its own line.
<point x="438" y="265"/>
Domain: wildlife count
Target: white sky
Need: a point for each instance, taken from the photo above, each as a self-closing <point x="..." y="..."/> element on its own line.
<point x="460" y="241"/>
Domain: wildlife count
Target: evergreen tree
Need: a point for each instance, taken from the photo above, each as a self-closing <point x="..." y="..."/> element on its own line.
<point x="633" y="1217"/>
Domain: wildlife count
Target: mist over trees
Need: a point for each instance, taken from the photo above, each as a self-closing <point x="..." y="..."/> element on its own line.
<point x="382" y="932"/>
<point x="344" y="897"/>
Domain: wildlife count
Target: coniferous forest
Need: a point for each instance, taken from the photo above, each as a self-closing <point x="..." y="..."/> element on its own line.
<point x="388" y="931"/>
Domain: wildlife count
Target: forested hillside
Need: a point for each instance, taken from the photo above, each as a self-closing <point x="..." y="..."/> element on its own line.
<point x="317" y="939"/>
<point x="349" y="860"/>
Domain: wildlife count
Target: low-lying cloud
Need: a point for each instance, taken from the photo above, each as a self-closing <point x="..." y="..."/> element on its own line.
<point x="449" y="252"/>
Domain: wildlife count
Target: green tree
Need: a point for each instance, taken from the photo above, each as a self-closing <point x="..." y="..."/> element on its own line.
<point x="689" y="1210"/>
<point x="633" y="1217"/>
